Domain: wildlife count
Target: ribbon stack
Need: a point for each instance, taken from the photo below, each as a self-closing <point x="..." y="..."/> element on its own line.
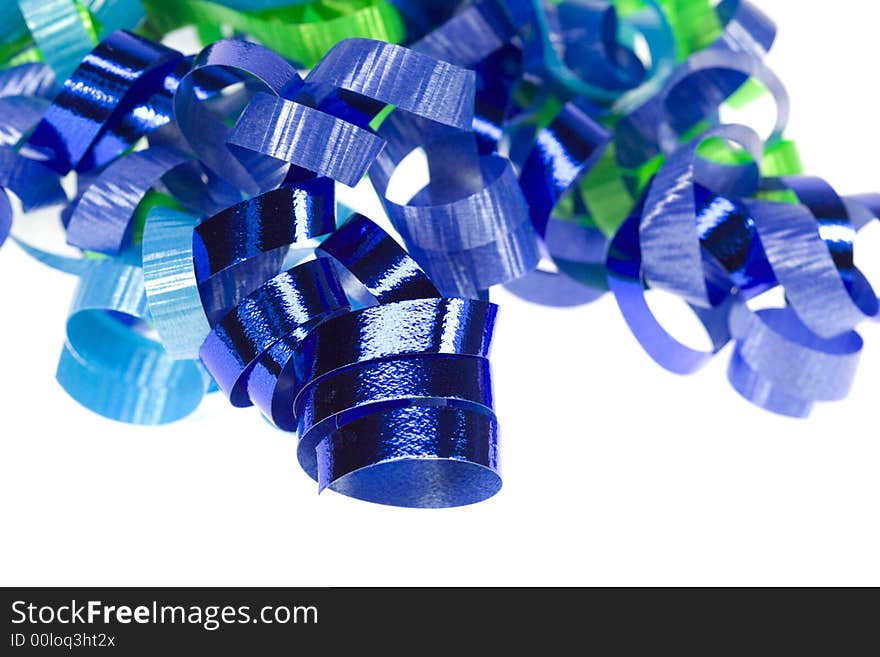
<point x="573" y="148"/>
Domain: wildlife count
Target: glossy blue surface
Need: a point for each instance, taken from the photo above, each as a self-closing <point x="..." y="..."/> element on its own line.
<point x="417" y="456"/>
<point x="99" y="112"/>
<point x="280" y="305"/>
<point x="418" y="326"/>
<point x="371" y="387"/>
<point x="377" y="263"/>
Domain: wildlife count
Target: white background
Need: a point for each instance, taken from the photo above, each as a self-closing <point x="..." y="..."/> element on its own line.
<point x="615" y="472"/>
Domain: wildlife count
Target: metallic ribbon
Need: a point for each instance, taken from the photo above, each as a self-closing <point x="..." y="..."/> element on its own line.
<point x="440" y="224"/>
<point x="671" y="252"/>
<point x="238" y="249"/>
<point x="281" y="305"/>
<point x="549" y="135"/>
<point x="357" y="409"/>
<point x="826" y="303"/>
<point x="468" y="233"/>
<point x="376" y="263"/>
<point x="95" y="117"/>
<point x="275" y="380"/>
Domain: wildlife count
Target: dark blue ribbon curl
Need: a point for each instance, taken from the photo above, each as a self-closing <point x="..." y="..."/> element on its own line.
<point x="95" y="117"/>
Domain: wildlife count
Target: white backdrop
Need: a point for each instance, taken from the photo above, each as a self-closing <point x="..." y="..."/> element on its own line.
<point x="615" y="472"/>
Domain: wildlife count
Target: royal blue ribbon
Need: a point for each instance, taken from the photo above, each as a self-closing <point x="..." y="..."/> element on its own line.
<point x="103" y="215"/>
<point x="376" y="263"/>
<point x="205" y="130"/>
<point x="239" y="248"/>
<point x="31" y="80"/>
<point x="782" y="366"/>
<point x="434" y="456"/>
<point x="284" y="303"/>
<point x="94" y="118"/>
<point x="298" y="134"/>
<point x="672" y="256"/>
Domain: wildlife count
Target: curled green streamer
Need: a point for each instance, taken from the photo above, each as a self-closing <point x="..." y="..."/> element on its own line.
<point x="694" y="23"/>
<point x="302" y="32"/>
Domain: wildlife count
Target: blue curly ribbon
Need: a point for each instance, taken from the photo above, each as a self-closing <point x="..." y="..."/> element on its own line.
<point x="468" y="234"/>
<point x="31" y="80"/>
<point x="170" y="282"/>
<point x="672" y="256"/>
<point x="626" y="284"/>
<point x="101" y="220"/>
<point x="394" y="381"/>
<point x="392" y="74"/>
<point x="813" y="285"/>
<point x="284" y="303"/>
<point x="238" y="249"/>
<point x="372" y="268"/>
<point x="31" y="181"/>
<point x="110" y="366"/>
<point x="588" y="51"/>
<point x="205" y="130"/>
<point x="782" y="366"/>
<point x="471" y="35"/>
<point x="87" y="124"/>
<point x="23" y="112"/>
<point x="304" y="136"/>
<point x="271" y="350"/>
<point x="718" y="252"/>
<point x="699" y="85"/>
<point x="376" y="354"/>
<point x="370" y="259"/>
<point x="420" y="456"/>
<point x="463" y="193"/>
<point x="437" y="326"/>
<point x="366" y="388"/>
<point x="564" y="152"/>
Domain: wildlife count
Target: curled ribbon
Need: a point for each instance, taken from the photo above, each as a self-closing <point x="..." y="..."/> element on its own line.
<point x="572" y="149"/>
<point x="110" y="366"/>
